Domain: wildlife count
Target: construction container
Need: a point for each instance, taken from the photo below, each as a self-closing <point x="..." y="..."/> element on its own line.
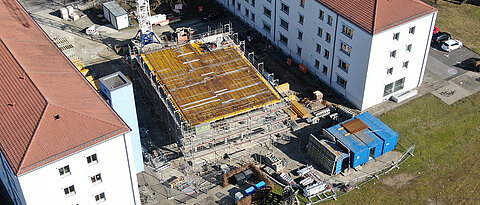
<point x="260" y="185"/>
<point x="382" y="131"/>
<point x="240" y="178"/>
<point x="374" y="143"/>
<point x="64" y="13"/>
<point x="115" y="14"/>
<point x="249" y="190"/>
<point x="238" y="196"/>
<point x="358" y="151"/>
<point x="328" y="155"/>
<point x="248" y="174"/>
<point x="365" y="142"/>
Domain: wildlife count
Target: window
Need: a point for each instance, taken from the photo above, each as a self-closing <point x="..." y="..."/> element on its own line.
<point x="247" y="12"/>
<point x="266" y="27"/>
<point x="405" y="64"/>
<point x="100" y="197"/>
<point x="389" y="71"/>
<point x="398" y="85"/>
<point x="92" y="159"/>
<point x="283" y="39"/>
<point x="253" y="3"/>
<point x="233" y="2"/>
<point x="302" y="3"/>
<point x="96" y="179"/>
<point x="342" y="82"/>
<point x="346" y="48"/>
<point x="253" y="17"/>
<point x="321" y="14"/>
<point x="317" y="64"/>
<point x="69" y="190"/>
<point x="344" y="65"/>
<point x="409" y="47"/>
<point x="300" y="19"/>
<point x="347" y="31"/>
<point x="320" y="32"/>
<point x="393" y="87"/>
<point x="239" y="6"/>
<point x="393" y="54"/>
<point x="300" y="35"/>
<point x="285" y="8"/>
<point x="325" y="69"/>
<point x="299" y="51"/>
<point x="326" y="53"/>
<point x="64" y="170"/>
<point x="319" y="48"/>
<point x="267" y="12"/>
<point x="411" y="30"/>
<point x="330" y="20"/>
<point x="328" y="37"/>
<point x="284" y="24"/>
<point x="396" y="36"/>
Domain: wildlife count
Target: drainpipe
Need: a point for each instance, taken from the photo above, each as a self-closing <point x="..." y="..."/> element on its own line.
<point x="333" y="53"/>
<point x="274" y="19"/>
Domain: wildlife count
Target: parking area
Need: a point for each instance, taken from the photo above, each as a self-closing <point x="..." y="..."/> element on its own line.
<point x="455" y="71"/>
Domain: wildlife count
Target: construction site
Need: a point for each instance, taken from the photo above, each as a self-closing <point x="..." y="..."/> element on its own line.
<point x="219" y="102"/>
<point x="215" y="123"/>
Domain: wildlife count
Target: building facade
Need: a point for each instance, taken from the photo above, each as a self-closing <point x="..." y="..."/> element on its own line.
<point x="60" y="142"/>
<point x="366" y="51"/>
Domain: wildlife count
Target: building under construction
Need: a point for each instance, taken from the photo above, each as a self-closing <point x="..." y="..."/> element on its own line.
<point x="216" y="95"/>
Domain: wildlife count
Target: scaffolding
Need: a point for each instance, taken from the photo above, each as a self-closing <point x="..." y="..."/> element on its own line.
<point x="220" y="98"/>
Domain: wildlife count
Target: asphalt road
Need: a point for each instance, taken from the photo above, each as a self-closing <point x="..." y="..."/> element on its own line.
<point x="449" y="65"/>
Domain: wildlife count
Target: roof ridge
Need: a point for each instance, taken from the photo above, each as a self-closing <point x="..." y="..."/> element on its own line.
<point x="374" y="16"/>
<point x="88" y="116"/>
<point x="31" y="138"/>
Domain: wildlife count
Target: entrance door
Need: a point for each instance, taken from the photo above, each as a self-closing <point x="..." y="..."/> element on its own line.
<point x="372" y="153"/>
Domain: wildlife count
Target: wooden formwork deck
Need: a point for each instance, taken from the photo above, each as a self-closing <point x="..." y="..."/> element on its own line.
<point x="207" y="86"/>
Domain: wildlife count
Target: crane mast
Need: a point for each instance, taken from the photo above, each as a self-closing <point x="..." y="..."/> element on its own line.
<point x="143" y="17"/>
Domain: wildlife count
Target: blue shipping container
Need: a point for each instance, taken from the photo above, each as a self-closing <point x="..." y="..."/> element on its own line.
<point x="359" y="152"/>
<point x="382" y="131"/>
<point x="249" y="190"/>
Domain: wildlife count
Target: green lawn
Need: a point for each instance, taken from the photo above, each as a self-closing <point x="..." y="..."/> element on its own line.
<point x="446" y="166"/>
<point x="462" y="21"/>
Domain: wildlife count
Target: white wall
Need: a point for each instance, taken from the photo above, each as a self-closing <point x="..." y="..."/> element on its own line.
<point x="45" y="185"/>
<point x="370" y="55"/>
<point x="380" y="59"/>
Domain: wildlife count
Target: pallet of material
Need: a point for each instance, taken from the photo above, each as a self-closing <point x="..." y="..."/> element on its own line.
<point x="300" y="110"/>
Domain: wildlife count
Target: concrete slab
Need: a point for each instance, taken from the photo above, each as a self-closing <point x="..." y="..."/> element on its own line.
<point x="470" y="81"/>
<point x="451" y="93"/>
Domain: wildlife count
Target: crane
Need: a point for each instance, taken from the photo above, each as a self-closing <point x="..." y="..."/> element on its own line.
<point x="143" y="16"/>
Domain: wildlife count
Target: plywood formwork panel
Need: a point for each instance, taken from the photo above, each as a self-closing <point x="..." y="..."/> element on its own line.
<point x="209" y="85"/>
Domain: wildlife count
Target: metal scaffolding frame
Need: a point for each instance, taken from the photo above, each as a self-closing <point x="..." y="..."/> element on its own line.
<point x="211" y="141"/>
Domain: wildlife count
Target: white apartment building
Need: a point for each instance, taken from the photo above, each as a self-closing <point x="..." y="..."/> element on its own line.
<point x="366" y="50"/>
<point x="60" y="142"/>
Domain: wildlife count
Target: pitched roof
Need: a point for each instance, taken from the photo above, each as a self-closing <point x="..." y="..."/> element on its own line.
<point x="48" y="110"/>
<point x="378" y="15"/>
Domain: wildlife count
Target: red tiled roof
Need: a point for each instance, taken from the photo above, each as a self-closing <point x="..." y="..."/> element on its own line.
<point x="38" y="83"/>
<point x="378" y="15"/>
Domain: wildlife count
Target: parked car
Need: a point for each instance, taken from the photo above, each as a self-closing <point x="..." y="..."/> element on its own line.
<point x="435" y="30"/>
<point x="451" y="45"/>
<point x="441" y="37"/>
<point x="210" y="16"/>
